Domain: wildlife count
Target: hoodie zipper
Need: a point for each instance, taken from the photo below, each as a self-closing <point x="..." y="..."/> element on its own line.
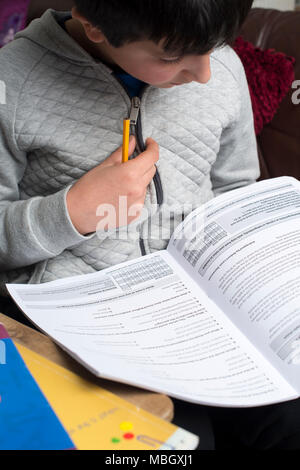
<point x="134" y="119"/>
<point x="136" y="126"/>
<point x="135" y="122"/>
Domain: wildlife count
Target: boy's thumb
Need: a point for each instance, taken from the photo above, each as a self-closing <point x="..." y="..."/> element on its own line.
<point x="117" y="154"/>
<point x="131" y="147"/>
<point x="132" y="143"/>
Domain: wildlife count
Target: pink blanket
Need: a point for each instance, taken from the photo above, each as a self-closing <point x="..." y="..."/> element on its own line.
<point x="12" y="18"/>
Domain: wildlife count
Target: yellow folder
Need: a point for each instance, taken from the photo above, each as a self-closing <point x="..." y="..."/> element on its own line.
<point x="97" y="419"/>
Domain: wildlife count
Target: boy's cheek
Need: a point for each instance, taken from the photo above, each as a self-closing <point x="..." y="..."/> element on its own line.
<point x="148" y="71"/>
<point x="153" y="75"/>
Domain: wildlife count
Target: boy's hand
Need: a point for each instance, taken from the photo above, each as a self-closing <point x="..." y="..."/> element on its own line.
<point x="105" y="183"/>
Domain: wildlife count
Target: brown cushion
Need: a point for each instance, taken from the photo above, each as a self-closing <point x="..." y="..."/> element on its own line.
<point x="38" y="7"/>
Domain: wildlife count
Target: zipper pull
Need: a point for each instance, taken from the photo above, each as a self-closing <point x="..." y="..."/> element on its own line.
<point x="135" y="109"/>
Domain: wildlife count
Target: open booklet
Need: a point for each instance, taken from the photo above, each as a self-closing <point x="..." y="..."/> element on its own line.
<point x="214" y="319"/>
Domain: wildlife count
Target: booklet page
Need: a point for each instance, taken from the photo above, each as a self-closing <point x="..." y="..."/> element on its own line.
<point x="245" y="253"/>
<point x="147" y="323"/>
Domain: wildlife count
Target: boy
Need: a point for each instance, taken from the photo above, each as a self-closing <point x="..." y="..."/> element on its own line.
<point x="69" y="84"/>
<point x="66" y="101"/>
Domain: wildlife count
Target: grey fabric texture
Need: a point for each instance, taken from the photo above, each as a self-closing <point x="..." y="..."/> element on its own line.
<point x="63" y="116"/>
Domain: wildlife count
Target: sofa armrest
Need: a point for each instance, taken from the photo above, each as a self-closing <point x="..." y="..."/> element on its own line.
<point x="279" y="143"/>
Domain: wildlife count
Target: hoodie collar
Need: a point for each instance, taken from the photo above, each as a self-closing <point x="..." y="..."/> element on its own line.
<point x="48" y="33"/>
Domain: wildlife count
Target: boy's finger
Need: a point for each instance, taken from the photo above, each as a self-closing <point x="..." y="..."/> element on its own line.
<point x="148" y="176"/>
<point x="145" y="161"/>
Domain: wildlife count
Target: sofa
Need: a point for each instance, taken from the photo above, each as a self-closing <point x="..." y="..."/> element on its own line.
<point x="279" y="143"/>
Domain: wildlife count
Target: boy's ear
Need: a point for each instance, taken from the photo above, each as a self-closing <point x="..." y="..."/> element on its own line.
<point x="92" y="32"/>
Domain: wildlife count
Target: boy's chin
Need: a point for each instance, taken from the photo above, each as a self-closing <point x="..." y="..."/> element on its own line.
<point x="166" y="85"/>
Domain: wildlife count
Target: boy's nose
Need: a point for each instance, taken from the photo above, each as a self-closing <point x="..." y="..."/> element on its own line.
<point x="199" y="71"/>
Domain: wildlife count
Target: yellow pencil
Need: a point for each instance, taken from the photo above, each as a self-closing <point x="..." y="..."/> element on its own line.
<point x="126" y="131"/>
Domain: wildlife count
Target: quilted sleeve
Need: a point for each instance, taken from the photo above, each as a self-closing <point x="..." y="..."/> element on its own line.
<point x="38" y="228"/>
<point x="237" y="162"/>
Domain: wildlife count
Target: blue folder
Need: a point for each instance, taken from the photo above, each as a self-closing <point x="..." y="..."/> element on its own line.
<point x="27" y="421"/>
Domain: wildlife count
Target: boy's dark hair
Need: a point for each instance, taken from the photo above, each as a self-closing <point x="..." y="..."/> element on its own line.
<point x="188" y="26"/>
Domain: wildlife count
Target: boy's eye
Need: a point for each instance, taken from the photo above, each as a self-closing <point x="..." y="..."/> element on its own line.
<point x="172" y="61"/>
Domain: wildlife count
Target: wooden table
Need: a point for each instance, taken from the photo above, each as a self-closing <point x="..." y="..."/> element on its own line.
<point x="159" y="405"/>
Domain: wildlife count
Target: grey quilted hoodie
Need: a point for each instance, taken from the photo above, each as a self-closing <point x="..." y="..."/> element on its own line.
<point x="63" y="116"/>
